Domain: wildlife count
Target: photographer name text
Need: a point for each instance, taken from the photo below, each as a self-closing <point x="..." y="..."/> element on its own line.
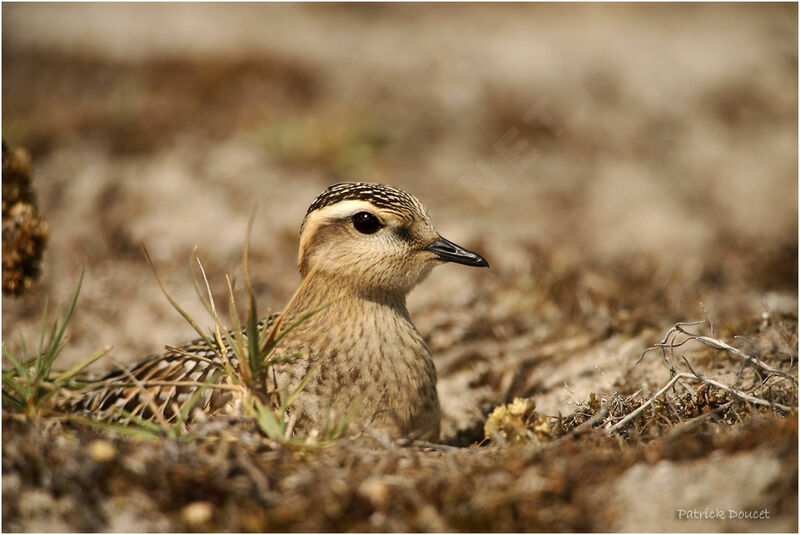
<point x="722" y="514"/>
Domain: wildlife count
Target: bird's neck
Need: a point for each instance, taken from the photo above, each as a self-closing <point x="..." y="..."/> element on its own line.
<point x="333" y="317"/>
<point x="328" y="292"/>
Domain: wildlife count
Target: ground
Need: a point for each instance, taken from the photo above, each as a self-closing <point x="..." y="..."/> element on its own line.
<point x="622" y="167"/>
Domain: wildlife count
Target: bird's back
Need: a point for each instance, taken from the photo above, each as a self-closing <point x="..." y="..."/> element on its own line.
<point x="164" y="383"/>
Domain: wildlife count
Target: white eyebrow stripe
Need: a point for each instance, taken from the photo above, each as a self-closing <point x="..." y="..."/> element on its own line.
<point x="344" y="209"/>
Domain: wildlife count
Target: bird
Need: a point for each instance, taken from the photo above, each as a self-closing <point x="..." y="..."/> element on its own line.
<point x="353" y="348"/>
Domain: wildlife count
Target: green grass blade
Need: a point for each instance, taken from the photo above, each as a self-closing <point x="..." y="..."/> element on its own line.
<point x="116" y="428"/>
<point x="17" y="403"/>
<point x="49" y="392"/>
<point x="211" y="308"/>
<point x="38" y="359"/>
<point x="71" y="307"/>
<point x="303" y="383"/>
<point x="346" y="419"/>
<point x="252" y="338"/>
<point x="281" y="359"/>
<point x="20" y="368"/>
<point x="291" y="327"/>
<point x="19" y="388"/>
<point x="252" y="328"/>
<point x="141" y="422"/>
<point x="238" y="351"/>
<point x="176" y="306"/>
<point x="43" y="328"/>
<point x="70" y="373"/>
<point x="207" y="302"/>
<point x="268" y="422"/>
<point x="27" y="361"/>
<point x="184" y="411"/>
<point x="235" y="337"/>
<point x="235" y="321"/>
<point x="55" y="345"/>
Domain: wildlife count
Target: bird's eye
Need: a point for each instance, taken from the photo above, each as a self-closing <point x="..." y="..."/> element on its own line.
<point x="366" y="223"/>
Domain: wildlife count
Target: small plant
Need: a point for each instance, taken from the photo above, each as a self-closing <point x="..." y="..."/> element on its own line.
<point x="29" y="385"/>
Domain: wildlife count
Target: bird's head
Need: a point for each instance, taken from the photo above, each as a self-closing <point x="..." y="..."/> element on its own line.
<point x="375" y="239"/>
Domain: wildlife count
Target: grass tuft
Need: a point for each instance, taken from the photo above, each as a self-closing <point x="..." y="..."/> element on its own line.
<point x="264" y="401"/>
<point x="28" y="386"/>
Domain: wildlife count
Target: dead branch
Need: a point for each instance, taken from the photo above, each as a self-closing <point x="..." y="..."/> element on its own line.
<point x="673" y="339"/>
<point x="719" y="344"/>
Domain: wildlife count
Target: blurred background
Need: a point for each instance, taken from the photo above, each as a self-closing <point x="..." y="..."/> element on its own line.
<point x="621" y="167"/>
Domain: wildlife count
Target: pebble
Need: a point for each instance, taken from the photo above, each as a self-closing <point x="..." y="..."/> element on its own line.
<point x="102" y="451"/>
<point x="197" y="513"/>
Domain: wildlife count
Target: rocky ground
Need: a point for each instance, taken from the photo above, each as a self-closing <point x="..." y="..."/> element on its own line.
<point x="623" y="168"/>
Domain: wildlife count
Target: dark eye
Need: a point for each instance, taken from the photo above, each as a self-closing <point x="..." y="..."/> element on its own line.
<point x="366" y="223"/>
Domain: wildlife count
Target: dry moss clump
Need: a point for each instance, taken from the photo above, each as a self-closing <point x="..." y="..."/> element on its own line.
<point x="518" y="423"/>
<point x="24" y="231"/>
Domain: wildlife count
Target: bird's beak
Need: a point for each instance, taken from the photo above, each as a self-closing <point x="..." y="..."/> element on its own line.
<point x="450" y="252"/>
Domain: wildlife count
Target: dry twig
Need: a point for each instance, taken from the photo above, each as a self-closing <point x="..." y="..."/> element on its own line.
<point x="670" y="342"/>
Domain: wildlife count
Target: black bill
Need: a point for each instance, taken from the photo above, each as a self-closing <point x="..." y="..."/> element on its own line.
<point x="450" y="252"/>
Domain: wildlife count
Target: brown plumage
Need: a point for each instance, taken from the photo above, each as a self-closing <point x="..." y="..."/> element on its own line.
<point x="363" y="247"/>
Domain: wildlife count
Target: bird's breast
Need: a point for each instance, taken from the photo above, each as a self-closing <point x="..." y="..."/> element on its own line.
<point x="364" y="361"/>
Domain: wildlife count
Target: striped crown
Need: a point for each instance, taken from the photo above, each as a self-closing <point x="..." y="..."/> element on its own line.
<point x="382" y="196"/>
